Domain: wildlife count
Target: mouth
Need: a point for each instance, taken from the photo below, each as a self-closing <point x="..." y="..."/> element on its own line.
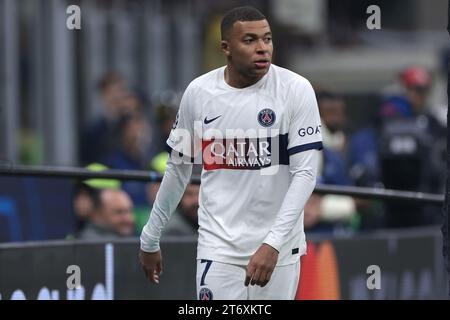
<point x="262" y="63"/>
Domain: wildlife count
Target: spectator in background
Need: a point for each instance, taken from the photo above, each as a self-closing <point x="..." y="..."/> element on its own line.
<point x="411" y="99"/>
<point x="408" y="102"/>
<point x="412" y="149"/>
<point x="111" y="217"/>
<point x="85" y="193"/>
<point x="82" y="206"/>
<point x="333" y="117"/>
<point x="99" y="137"/>
<point x="133" y="152"/>
<point x="412" y="102"/>
<point x="332" y="114"/>
<point x="331" y="213"/>
<point x="131" y="104"/>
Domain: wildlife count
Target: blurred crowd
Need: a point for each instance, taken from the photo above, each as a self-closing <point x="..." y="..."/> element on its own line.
<point x="402" y="148"/>
<point x="127" y="135"/>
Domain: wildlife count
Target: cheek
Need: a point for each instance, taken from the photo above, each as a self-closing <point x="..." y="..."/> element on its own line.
<point x="115" y="219"/>
<point x="242" y="53"/>
<point x="131" y="219"/>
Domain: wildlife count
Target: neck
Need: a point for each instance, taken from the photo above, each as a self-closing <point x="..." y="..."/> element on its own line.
<point x="237" y="80"/>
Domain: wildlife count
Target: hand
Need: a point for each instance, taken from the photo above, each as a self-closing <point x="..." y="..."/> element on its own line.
<point x="261" y="265"/>
<point x="152" y="264"/>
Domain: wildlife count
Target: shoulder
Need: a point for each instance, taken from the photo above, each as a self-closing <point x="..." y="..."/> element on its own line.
<point x="206" y="80"/>
<point x="297" y="90"/>
<point x="290" y="78"/>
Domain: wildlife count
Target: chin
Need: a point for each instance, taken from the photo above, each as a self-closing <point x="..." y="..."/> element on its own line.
<point x="260" y="72"/>
<point x="263" y="70"/>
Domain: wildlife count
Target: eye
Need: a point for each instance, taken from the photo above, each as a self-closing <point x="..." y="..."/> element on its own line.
<point x="248" y="40"/>
<point x="268" y="39"/>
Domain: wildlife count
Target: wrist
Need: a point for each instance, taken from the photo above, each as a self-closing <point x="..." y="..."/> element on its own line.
<point x="148" y="243"/>
<point x="271" y="247"/>
<point x="273" y="241"/>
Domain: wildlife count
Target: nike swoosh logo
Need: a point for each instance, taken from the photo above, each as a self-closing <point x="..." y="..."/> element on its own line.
<point x="206" y="121"/>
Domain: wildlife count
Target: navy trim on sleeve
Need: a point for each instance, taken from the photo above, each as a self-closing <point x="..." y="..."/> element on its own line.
<point x="169" y="149"/>
<point x="313" y="145"/>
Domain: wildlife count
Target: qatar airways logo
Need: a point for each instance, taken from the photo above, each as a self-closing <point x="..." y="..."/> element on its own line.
<point x="237" y="153"/>
<point x="251" y="149"/>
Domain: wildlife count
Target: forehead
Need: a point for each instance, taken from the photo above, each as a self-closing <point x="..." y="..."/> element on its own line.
<point x="260" y="27"/>
<point x="112" y="196"/>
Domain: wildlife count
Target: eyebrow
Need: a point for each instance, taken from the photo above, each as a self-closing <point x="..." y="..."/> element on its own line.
<point x="254" y="35"/>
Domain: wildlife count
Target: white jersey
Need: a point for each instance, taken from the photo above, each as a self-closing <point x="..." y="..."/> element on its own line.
<point x="244" y="138"/>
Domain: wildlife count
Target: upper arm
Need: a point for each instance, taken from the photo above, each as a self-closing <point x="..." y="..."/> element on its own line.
<point x="304" y="119"/>
<point x="182" y="139"/>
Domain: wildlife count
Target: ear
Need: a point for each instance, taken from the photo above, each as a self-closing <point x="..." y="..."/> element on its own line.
<point x="225" y="46"/>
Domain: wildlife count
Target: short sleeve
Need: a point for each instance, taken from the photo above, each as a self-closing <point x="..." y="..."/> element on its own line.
<point x="182" y="136"/>
<point x="304" y="123"/>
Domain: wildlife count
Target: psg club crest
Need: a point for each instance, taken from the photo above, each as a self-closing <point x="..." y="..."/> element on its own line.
<point x="205" y="294"/>
<point x="266" y="117"/>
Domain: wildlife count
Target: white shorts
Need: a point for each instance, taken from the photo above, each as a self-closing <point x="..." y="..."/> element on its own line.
<point x="222" y="281"/>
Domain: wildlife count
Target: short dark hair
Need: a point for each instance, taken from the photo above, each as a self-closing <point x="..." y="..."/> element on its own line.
<point x="92" y="193"/>
<point x="245" y="13"/>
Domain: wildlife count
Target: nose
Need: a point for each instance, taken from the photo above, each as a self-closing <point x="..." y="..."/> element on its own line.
<point x="261" y="47"/>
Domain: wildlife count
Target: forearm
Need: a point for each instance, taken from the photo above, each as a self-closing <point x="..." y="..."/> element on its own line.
<point x="303" y="171"/>
<point x="174" y="183"/>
